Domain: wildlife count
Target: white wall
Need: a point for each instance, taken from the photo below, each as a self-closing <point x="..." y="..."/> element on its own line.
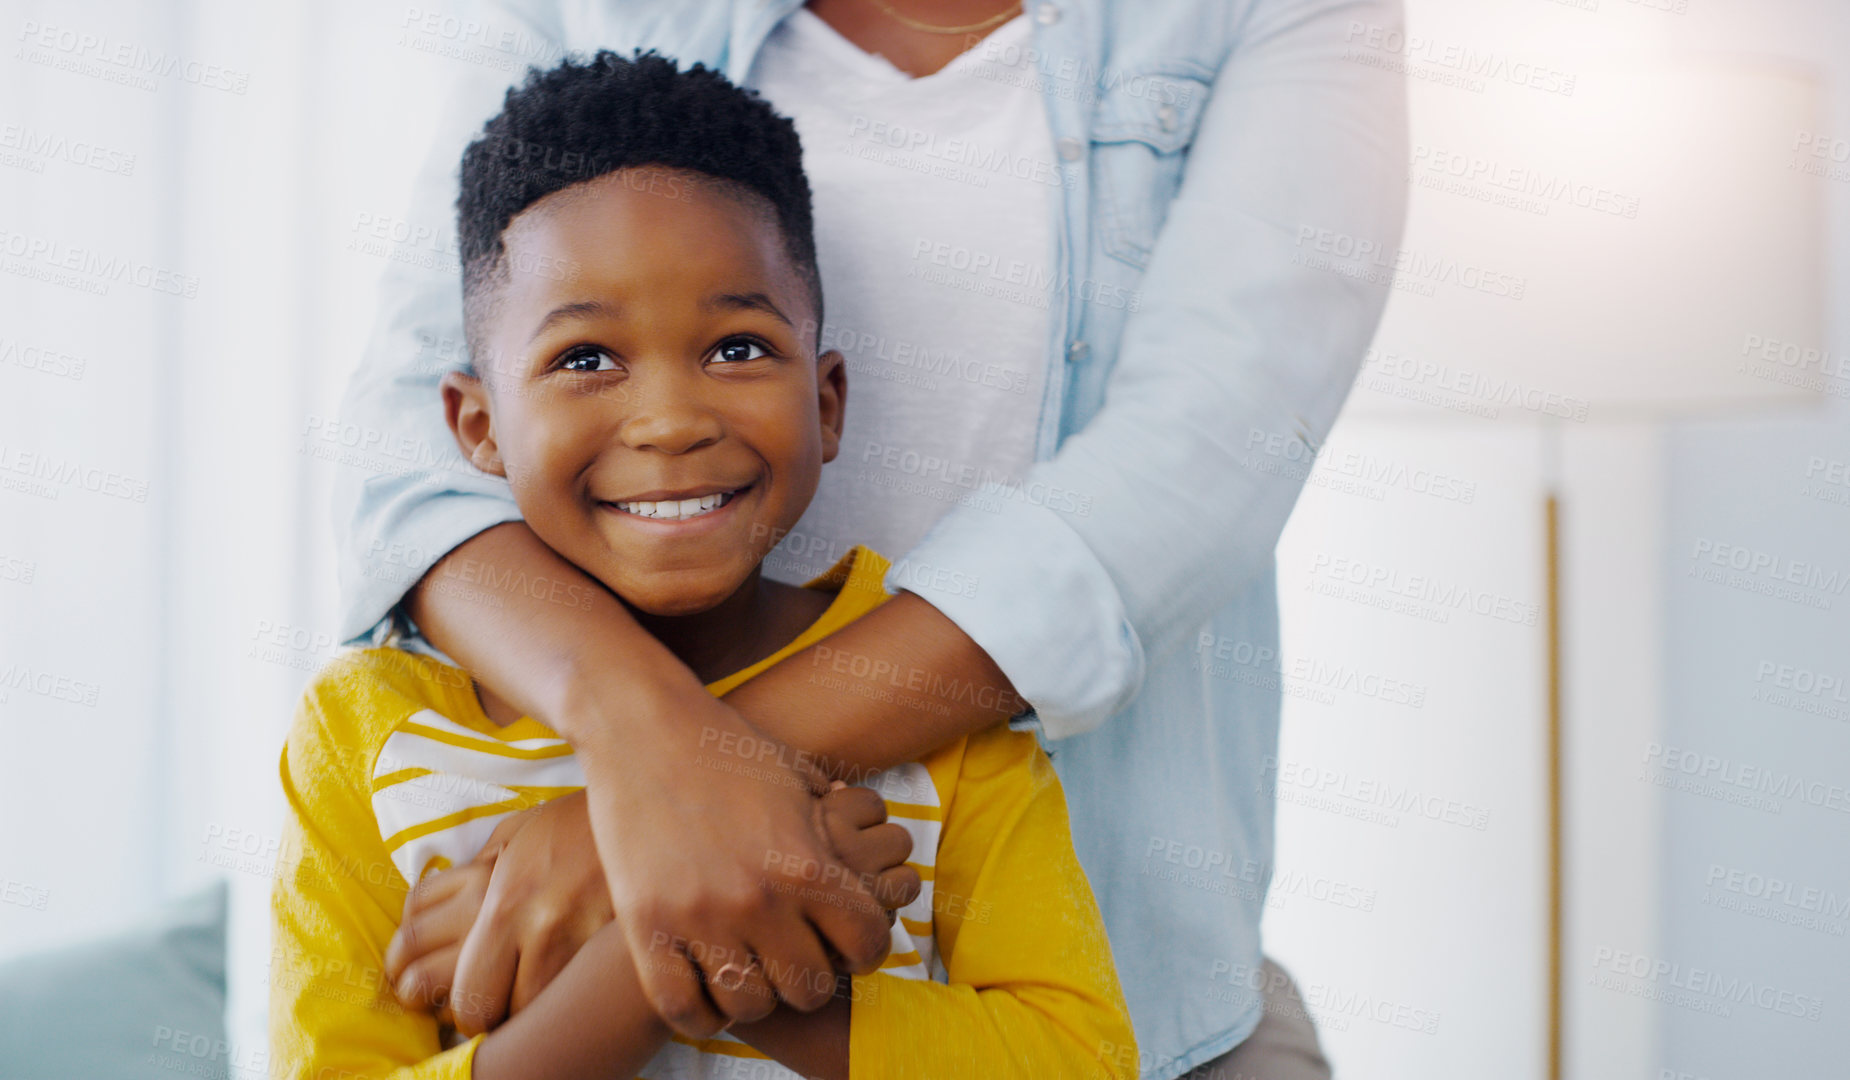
<point x="262" y="157"/>
<point x="1653" y="657"/>
<point x="1754" y="484"/>
<point x="1409" y="820"/>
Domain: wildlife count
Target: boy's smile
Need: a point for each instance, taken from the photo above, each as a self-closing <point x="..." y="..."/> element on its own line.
<point x="659" y="415"/>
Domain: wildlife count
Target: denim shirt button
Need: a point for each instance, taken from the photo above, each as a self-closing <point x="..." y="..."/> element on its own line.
<point x="1047" y="14"/>
<point x="1166" y="116"/>
<point x="1076" y="352"/>
<point x="1071" y="149"/>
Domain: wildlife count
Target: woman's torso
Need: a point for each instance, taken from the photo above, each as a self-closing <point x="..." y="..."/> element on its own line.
<point x="933" y="207"/>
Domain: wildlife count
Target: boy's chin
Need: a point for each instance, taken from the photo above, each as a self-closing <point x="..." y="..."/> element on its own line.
<point x="679" y="592"/>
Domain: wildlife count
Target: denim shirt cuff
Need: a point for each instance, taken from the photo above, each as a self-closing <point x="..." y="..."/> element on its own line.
<point x="1038" y="601"/>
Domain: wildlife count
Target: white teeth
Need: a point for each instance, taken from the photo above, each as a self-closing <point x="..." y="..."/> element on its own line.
<point x="676" y="509"/>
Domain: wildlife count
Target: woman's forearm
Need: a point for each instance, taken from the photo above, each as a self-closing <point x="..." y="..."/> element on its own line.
<point x="533" y="627"/>
<point x="890" y="687"/>
<point x="593" y="1021"/>
<point x="552" y="641"/>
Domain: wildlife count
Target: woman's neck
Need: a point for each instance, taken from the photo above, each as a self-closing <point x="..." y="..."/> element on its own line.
<point x="916" y="52"/>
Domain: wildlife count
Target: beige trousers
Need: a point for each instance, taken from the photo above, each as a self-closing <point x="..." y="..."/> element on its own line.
<point x="1284" y="1045"/>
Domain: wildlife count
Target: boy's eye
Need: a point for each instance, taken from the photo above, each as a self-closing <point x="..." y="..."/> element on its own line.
<point x="739" y="349"/>
<point x="588" y="359"/>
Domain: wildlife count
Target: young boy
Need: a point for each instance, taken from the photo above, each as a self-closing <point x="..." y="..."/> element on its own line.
<point x="634" y="294"/>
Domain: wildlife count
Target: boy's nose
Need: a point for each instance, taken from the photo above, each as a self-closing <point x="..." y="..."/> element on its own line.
<point x="672" y="427"/>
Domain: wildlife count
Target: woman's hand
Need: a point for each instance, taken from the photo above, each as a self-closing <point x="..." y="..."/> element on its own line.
<point x="480" y="941"/>
<point x="704" y="824"/>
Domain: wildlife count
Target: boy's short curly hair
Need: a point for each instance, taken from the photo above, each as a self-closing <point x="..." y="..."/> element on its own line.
<point x="587" y="118"/>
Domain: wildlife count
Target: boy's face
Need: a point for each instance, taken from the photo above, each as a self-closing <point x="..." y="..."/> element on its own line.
<point x="656" y="407"/>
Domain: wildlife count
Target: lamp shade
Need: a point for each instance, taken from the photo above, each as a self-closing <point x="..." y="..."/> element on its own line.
<point x="1642" y="238"/>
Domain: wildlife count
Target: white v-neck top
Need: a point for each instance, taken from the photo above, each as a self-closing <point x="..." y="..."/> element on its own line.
<point x="933" y="204"/>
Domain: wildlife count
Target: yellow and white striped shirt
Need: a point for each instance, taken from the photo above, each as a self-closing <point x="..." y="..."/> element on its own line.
<point x="393" y="770"/>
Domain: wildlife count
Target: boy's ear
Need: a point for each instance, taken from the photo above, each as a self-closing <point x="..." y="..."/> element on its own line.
<point x="466" y="408"/>
<point x="831" y="400"/>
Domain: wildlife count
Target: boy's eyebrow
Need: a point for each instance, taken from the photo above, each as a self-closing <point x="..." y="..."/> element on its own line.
<point x="583" y="309"/>
<point x="754" y="301"/>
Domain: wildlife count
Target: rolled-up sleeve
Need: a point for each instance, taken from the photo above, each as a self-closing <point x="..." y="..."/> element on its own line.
<point x="403" y="494"/>
<point x="1247" y="330"/>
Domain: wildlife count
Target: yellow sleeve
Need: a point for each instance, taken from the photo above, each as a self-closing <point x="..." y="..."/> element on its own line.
<point x="335" y="905"/>
<point x="1033" y="992"/>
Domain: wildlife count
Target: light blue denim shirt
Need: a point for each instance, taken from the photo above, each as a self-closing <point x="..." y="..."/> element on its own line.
<point x="1228" y="159"/>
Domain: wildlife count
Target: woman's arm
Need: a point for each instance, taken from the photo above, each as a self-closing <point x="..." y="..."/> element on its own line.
<point x="552" y="641"/>
<point x="641" y="724"/>
<point x="1246" y="333"/>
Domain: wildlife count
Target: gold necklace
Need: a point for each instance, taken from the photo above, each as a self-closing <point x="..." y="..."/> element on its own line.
<point x="994" y="20"/>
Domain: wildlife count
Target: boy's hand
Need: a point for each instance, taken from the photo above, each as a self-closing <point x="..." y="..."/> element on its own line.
<point x="854" y="821"/>
<point x="439" y="911"/>
<point x="482" y="940"/>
